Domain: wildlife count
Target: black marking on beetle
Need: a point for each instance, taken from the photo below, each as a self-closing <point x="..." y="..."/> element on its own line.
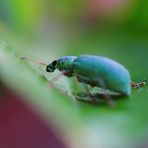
<point x="54" y="63"/>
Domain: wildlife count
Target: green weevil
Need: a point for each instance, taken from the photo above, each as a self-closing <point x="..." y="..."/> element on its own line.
<point x="96" y="71"/>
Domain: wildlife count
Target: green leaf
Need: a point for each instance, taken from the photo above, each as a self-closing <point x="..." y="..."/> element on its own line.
<point x="81" y="124"/>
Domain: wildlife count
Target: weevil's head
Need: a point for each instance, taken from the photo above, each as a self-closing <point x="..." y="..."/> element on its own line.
<point x="63" y="64"/>
<point x="52" y="66"/>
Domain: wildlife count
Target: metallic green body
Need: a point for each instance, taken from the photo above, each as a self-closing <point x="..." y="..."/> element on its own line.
<point x="102" y="72"/>
<point x="95" y="71"/>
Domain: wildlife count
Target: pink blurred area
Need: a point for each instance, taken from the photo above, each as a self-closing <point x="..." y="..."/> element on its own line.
<point x="107" y="5"/>
<point x="20" y="127"/>
<point x="103" y="8"/>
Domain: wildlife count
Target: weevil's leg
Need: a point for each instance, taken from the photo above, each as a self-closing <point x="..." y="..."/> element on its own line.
<point x="53" y="85"/>
<point x="106" y="94"/>
<point x="135" y="85"/>
<point x="36" y="62"/>
<point x="84" y="98"/>
<point x="87" y="92"/>
<point x="108" y="98"/>
<point x="57" y="77"/>
<point x="76" y="81"/>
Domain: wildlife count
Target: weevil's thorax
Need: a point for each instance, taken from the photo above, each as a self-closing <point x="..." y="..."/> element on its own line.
<point x="65" y="64"/>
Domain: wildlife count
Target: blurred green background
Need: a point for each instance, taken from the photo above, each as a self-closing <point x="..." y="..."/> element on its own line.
<point x="45" y="30"/>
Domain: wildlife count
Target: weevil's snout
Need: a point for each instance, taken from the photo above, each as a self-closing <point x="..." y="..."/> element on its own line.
<point x="50" y="68"/>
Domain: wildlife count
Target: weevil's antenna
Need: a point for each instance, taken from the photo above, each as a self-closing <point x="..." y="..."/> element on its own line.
<point x="36" y="62"/>
<point x="138" y="85"/>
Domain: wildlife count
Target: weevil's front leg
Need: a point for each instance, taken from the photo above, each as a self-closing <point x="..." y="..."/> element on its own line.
<point x="52" y="84"/>
<point x="138" y="85"/>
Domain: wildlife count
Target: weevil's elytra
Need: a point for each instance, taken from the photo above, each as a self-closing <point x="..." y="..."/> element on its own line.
<point x="103" y="71"/>
<point x="95" y="71"/>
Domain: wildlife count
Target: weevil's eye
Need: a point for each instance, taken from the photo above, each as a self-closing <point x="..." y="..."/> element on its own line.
<point x="54" y="63"/>
<point x="50" y="68"/>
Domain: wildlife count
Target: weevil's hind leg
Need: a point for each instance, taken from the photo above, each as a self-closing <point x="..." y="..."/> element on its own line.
<point x="106" y="93"/>
<point x="108" y="98"/>
<point x="135" y="85"/>
<point x="89" y="97"/>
